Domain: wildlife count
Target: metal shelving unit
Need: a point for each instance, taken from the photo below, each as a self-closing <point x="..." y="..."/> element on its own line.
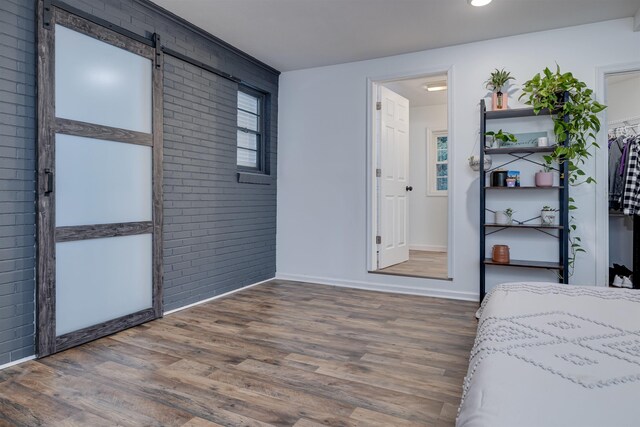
<point x="561" y="266"/>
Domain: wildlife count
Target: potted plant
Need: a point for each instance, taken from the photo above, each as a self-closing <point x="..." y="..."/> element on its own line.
<point x="567" y="97"/>
<point x="546" y="91"/>
<point x="496" y="82"/>
<point x="501" y="138"/>
<point x="504" y="217"/>
<point x="544" y="178"/>
<point x="548" y="215"/>
<point x="474" y="162"/>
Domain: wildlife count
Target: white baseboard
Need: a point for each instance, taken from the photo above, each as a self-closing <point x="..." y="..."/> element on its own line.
<point x="17" y="362"/>
<point x="216" y="297"/>
<point x="429" y="248"/>
<point x="380" y="287"/>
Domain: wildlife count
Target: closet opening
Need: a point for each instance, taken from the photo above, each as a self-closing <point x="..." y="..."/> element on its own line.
<point x="623" y="142"/>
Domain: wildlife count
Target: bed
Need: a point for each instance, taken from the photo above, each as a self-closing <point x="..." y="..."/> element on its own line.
<point x="554" y="355"/>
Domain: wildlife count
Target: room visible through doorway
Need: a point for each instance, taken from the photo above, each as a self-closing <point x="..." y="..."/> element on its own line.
<point x="411" y="146"/>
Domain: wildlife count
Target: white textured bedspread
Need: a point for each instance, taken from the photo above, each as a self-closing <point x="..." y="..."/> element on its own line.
<point x="554" y="355"/>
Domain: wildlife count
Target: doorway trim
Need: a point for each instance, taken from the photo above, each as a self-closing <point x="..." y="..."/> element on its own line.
<point x="372" y="159"/>
<point x="47" y="342"/>
<point x="601" y="249"/>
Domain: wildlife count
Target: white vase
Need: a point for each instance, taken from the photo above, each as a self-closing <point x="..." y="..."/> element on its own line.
<point x="547" y="217"/>
<point x="502" y="218"/>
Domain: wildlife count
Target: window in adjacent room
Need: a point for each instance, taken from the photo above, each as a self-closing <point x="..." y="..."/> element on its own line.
<point x="250" y="133"/>
<point x="438" y="168"/>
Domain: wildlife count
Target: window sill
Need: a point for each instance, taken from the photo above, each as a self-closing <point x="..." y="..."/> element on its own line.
<point x="254" y="178"/>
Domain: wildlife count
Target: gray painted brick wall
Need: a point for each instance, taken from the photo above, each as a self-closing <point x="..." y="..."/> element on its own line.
<point x="17" y="179"/>
<point x="219" y="234"/>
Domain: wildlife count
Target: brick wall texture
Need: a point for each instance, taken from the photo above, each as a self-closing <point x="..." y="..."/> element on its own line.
<point x="219" y="235"/>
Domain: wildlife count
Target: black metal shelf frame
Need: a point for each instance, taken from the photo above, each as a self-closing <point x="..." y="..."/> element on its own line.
<point x="519" y="157"/>
<point x="523" y="154"/>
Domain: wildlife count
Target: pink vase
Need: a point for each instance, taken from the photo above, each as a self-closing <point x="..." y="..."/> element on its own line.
<point x="499" y="104"/>
<point x="544" y="179"/>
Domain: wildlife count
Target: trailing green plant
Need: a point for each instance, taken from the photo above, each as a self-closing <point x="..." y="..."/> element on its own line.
<point x="509" y="212"/>
<point x="505" y="137"/>
<point x="574" y="112"/>
<point x="575" y="118"/>
<point x="498" y="79"/>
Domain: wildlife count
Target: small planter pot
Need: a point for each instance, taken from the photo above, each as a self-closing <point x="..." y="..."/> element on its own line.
<point x="500" y="254"/>
<point x="499" y="101"/>
<point x="547" y="217"/>
<point x="544" y="179"/>
<point x="502" y="218"/>
<point x="474" y="162"/>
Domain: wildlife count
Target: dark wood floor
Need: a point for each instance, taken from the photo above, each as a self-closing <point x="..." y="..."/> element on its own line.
<point x="283" y="353"/>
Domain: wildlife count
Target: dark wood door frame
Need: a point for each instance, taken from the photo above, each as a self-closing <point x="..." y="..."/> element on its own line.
<point x="48" y="126"/>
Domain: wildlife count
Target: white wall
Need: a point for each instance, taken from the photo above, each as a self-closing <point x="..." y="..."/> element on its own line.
<point x="322" y="198"/>
<point x="623" y="100"/>
<point x="427" y="214"/>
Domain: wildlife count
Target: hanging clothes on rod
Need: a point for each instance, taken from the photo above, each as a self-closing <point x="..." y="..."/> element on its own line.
<point x="624" y="170"/>
<point x="631" y="196"/>
<point x="624" y="194"/>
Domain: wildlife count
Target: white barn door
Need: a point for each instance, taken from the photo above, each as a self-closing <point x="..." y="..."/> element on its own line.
<point x="393" y="181"/>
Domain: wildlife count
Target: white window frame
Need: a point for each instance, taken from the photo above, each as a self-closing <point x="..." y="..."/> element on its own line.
<point x="432" y="160"/>
<point x="260" y="132"/>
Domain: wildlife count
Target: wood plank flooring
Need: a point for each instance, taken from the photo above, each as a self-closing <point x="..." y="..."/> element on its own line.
<point x="282" y="353"/>
<point x="421" y="264"/>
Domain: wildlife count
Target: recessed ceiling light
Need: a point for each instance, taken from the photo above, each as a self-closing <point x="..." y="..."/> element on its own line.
<point x="435" y="87"/>
<point x="478" y="2"/>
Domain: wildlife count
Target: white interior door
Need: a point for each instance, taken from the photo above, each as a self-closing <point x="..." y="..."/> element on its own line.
<point x="393" y="181"/>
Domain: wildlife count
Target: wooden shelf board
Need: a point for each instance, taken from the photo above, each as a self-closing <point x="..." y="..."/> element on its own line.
<point x="514" y="150"/>
<point x="534" y="226"/>
<point x="526" y="264"/>
<point x="528" y="187"/>
<point x="516" y="112"/>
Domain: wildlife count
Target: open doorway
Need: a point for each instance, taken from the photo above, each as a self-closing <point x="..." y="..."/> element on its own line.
<point x="623" y="126"/>
<point x="411" y="185"/>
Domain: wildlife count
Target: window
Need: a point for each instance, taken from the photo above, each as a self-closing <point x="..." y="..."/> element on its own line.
<point x="438" y="164"/>
<point x="250" y="131"/>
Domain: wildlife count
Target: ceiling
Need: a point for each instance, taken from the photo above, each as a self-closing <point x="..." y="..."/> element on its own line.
<point x="296" y="34"/>
<point x="413" y="90"/>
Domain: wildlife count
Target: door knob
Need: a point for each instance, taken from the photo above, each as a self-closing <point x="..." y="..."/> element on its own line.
<point x="409" y="188"/>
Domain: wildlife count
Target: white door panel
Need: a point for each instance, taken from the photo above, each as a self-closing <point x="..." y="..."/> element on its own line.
<point x="402" y="156"/>
<point x="401" y="221"/>
<point x="394" y="162"/>
<point x="101" y="182"/>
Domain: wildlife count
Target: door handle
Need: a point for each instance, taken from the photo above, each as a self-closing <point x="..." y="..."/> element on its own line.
<point x="409" y="188"/>
<point x="48" y="182"/>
